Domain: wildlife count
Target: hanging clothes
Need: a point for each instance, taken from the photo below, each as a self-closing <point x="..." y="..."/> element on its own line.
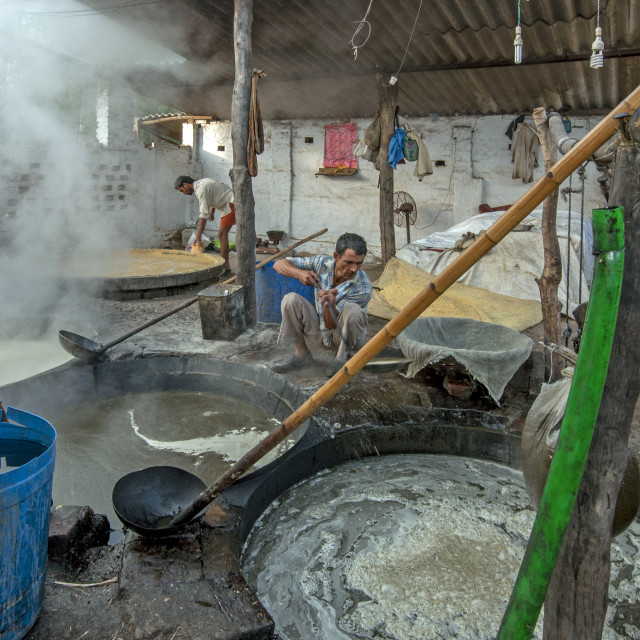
<point x="255" y="143"/>
<point x="423" y="167"/>
<point x="524" y="152"/>
<point x="514" y="123"/>
<point x="395" y="147"/>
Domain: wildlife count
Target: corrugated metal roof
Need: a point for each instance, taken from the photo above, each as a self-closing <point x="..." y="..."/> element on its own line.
<point x="460" y="59"/>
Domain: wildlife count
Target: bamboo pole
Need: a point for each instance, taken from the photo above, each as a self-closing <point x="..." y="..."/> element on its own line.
<point x="484" y="243"/>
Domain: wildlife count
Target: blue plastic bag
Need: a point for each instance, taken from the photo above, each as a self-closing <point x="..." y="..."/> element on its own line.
<point x="395" y="147"/>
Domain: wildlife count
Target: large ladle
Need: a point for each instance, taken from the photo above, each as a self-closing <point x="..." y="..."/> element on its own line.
<point x="91" y="351"/>
<point x="516" y="213"/>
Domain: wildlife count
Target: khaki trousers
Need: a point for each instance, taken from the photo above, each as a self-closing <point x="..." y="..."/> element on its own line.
<point x="300" y="322"/>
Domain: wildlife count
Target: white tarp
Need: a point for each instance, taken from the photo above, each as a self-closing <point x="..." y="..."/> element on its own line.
<point x="511" y="267"/>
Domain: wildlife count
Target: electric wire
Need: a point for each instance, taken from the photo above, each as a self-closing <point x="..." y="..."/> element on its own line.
<point x="361" y="24"/>
<point x="415" y="22"/>
<point x="78" y="13"/>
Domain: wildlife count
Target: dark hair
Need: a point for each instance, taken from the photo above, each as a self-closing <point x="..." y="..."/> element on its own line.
<point x="351" y="241"/>
<point x="180" y="180"/>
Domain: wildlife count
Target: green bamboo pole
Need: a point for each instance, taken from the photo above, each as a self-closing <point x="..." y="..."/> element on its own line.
<point x="576" y="431"/>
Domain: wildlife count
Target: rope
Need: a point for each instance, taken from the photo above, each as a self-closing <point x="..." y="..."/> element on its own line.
<point x="581" y="173"/>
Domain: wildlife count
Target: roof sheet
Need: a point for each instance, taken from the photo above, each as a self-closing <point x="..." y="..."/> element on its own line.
<point x="458" y="60"/>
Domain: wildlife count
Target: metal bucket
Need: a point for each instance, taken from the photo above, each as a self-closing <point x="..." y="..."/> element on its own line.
<point x="27" y="458"/>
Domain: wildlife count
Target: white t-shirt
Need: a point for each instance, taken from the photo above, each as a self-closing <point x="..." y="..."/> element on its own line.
<point x="211" y="193"/>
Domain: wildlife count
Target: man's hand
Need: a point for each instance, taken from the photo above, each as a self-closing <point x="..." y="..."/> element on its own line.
<point x="309" y="278"/>
<point x="286" y="268"/>
<point x="328" y="300"/>
<point x="328" y="296"/>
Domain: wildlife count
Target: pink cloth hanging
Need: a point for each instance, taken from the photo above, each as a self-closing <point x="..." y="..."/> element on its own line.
<point x="339" y="142"/>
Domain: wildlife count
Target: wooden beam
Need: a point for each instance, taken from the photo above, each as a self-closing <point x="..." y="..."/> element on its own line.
<point x="240" y="178"/>
<point x="388" y="100"/>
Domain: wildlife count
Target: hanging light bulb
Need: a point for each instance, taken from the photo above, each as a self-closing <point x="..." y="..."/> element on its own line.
<point x="517" y="43"/>
<point x="597" y="48"/>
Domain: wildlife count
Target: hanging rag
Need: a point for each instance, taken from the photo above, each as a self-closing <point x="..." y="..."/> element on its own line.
<point x="255" y="143"/>
<point x="371" y="136"/>
<point x="423" y="166"/>
<point x="514" y="123"/>
<point x="395" y="147"/>
<point x="524" y="152"/>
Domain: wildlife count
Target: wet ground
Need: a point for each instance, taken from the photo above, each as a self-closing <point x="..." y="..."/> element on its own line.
<point x="142" y="591"/>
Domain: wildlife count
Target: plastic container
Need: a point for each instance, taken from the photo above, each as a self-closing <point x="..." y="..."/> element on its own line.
<point x="271" y="287"/>
<point x="27" y="458"/>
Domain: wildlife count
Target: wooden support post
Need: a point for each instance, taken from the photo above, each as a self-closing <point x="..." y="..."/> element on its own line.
<point x="576" y="602"/>
<point x="240" y="178"/>
<point x="388" y="99"/>
<point x="549" y="281"/>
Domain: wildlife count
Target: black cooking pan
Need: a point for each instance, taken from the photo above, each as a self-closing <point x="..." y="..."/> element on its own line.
<point x="146" y="501"/>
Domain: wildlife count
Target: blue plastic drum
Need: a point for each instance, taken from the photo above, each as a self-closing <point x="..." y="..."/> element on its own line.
<point x="271" y="287"/>
<point x="27" y="458"/>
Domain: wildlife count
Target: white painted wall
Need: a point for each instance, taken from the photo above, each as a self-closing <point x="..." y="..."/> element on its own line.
<point x="290" y="196"/>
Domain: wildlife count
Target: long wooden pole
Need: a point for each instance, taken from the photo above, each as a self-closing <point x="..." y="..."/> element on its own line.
<point x="388" y="99"/>
<point x="240" y="176"/>
<point x="484" y="243"/>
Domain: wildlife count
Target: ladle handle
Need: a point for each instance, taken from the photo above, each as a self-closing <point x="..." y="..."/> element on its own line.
<point x="515" y="214"/>
<point x="189" y="302"/>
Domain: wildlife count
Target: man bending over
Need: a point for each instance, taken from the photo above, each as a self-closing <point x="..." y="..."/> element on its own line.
<point x="211" y="195"/>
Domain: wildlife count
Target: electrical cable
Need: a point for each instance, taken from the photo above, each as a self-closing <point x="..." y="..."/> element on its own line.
<point x="361" y="24"/>
<point x="77" y="13"/>
<point x="415" y="22"/>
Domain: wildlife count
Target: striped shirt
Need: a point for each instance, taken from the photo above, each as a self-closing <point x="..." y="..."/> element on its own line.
<point x="358" y="289"/>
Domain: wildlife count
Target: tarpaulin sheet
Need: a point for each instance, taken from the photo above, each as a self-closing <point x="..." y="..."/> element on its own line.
<point x="512" y="266"/>
<point x="400" y="282"/>
<point x="339" y="143"/>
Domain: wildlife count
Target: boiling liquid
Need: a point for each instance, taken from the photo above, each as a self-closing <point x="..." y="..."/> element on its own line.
<point x="101" y="441"/>
<point x="411" y="546"/>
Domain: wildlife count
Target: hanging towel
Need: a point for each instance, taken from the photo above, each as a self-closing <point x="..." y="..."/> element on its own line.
<point x="395" y="147"/>
<point x="255" y="143"/>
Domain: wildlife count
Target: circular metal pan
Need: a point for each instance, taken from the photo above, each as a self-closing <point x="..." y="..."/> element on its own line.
<point x="147" y="500"/>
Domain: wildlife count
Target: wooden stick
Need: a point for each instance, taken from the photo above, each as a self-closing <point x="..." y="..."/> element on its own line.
<point x="86" y="584"/>
<point x="485" y="242"/>
<point x="281" y="253"/>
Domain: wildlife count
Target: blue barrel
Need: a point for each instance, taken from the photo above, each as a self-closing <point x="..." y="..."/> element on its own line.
<point x="271" y="287"/>
<point x="27" y="458"/>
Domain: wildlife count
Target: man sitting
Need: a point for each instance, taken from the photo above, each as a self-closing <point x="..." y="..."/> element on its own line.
<point x="339" y="282"/>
